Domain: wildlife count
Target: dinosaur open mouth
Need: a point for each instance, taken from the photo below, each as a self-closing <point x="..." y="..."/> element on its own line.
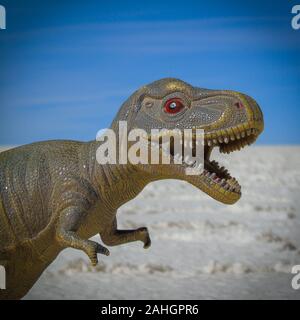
<point x="213" y="172"/>
<point x="218" y="175"/>
<point x="214" y="176"/>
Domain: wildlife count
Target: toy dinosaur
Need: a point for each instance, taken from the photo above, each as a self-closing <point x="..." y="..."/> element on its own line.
<point x="54" y="194"/>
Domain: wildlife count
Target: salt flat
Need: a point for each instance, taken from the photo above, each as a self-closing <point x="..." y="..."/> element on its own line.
<point x="201" y="249"/>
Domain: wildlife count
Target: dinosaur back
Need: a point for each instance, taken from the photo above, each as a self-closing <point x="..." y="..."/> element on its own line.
<point x="25" y="188"/>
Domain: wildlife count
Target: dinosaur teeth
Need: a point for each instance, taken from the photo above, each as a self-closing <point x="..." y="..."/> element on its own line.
<point x="228" y="140"/>
<point x="215" y="163"/>
<point x="232" y="136"/>
<point x="229" y="184"/>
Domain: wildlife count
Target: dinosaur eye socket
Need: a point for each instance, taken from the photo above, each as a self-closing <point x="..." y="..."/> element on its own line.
<point x="174" y="105"/>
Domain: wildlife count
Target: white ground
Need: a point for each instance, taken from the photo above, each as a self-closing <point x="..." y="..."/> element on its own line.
<point x="201" y="249"/>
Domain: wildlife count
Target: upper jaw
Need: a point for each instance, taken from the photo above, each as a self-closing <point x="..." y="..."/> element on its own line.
<point x="234" y="138"/>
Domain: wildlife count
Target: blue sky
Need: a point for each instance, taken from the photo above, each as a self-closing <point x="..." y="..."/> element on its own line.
<point x="66" y="66"/>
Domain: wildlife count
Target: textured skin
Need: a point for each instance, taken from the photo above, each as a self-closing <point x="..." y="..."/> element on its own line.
<point x="55" y="195"/>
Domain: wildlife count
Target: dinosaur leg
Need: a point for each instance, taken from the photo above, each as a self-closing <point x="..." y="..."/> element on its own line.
<point x="68" y="224"/>
<point x="115" y="237"/>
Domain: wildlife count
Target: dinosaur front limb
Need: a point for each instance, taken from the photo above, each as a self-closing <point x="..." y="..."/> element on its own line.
<point x="115" y="237"/>
<point x="68" y="224"/>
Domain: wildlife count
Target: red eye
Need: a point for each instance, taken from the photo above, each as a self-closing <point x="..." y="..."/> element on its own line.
<point x="174" y="105"/>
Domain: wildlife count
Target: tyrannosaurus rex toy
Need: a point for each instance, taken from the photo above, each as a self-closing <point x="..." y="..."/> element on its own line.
<point x="54" y="194"/>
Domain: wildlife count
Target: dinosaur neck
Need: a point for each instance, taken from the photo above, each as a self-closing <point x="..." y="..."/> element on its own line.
<point x="115" y="183"/>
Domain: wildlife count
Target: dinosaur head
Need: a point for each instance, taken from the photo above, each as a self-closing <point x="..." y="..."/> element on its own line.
<point x="230" y="120"/>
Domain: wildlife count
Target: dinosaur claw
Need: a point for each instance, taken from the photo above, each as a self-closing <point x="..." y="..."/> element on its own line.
<point x="145" y="237"/>
<point x="94" y="262"/>
<point x="147" y="244"/>
<point x="102" y="250"/>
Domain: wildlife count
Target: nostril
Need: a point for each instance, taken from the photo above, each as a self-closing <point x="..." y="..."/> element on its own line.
<point x="239" y="105"/>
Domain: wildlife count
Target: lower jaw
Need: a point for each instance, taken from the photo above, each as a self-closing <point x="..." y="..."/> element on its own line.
<point x="218" y="182"/>
<point x="214" y="190"/>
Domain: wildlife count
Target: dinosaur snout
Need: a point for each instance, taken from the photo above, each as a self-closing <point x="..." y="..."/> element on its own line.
<point x="247" y="115"/>
<point x="230" y="113"/>
<point x="255" y="115"/>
